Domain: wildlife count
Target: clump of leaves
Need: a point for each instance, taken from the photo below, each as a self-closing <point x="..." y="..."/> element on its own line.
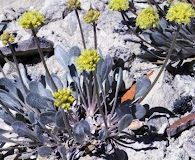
<point x="94" y="118"/>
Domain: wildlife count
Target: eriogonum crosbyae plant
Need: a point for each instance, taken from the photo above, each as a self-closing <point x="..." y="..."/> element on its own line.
<point x="80" y="109"/>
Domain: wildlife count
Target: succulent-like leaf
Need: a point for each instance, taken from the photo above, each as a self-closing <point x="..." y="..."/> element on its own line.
<point x="86" y="127"/>
<point x="138" y="111"/>
<point x="21" y="128"/>
<point x="44" y="151"/>
<point x="79" y="133"/>
<point x="59" y="120"/>
<point x="158" y="39"/>
<point x="47" y="117"/>
<point x="142" y="86"/>
<point x="61" y="56"/>
<point x="123" y="108"/>
<point x="36" y="101"/>
<point x="106" y="67"/>
<point x="124" y="122"/>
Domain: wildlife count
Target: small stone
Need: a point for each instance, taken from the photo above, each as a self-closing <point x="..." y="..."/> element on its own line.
<point x="181" y="124"/>
<point x="189" y="147"/>
<point x="28" y="47"/>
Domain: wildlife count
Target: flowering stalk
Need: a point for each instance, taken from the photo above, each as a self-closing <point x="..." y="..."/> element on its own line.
<point x="66" y="122"/>
<point x="42" y="58"/>
<point x="81" y="30"/>
<point x="123" y="16"/>
<point x="95" y="35"/>
<point x="98" y="101"/>
<point x="17" y="66"/>
<point x="164" y="65"/>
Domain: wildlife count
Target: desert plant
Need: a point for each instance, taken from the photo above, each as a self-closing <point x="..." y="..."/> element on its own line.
<point x="73" y="115"/>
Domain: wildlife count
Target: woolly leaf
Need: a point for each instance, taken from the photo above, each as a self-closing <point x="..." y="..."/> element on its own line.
<point x="20" y="128"/>
<point x="59" y="120"/>
<point x="62" y="152"/>
<point x="106" y="67"/>
<point x="124" y="122"/>
<point x="26" y="155"/>
<point x="8" y="85"/>
<point x="74" y="52"/>
<point x="142" y="86"/>
<point x="123" y="108"/>
<point x="44" y="151"/>
<point x="138" y="111"/>
<point x="9" y="101"/>
<point x="79" y="133"/>
<point x="86" y="127"/>
<point x="36" y="101"/>
<point x="62" y="57"/>
<point x="37" y="87"/>
<point x="47" y="117"/>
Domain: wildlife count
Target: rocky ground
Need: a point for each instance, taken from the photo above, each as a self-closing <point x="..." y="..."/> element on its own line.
<point x="61" y="28"/>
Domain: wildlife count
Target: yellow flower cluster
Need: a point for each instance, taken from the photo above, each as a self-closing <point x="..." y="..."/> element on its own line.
<point x="7" y="38"/>
<point x="88" y="60"/>
<point x="119" y="5"/>
<point x="180" y="12"/>
<point x="147" y="18"/>
<point x="31" y="19"/>
<point x="73" y="4"/>
<point x="63" y="98"/>
<point x="91" y="16"/>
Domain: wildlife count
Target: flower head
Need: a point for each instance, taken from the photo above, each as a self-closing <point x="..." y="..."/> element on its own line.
<point x="119" y="5"/>
<point x="63" y="98"/>
<point x="147" y="18"/>
<point x="88" y="60"/>
<point x="31" y="19"/>
<point x="180" y="12"/>
<point x="91" y="16"/>
<point x="7" y="38"/>
<point x="73" y="4"/>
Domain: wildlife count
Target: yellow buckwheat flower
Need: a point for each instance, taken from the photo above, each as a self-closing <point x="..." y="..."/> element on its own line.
<point x="147" y="18"/>
<point x="73" y="4"/>
<point x="180" y="12"/>
<point x="119" y="5"/>
<point x="88" y="60"/>
<point x="91" y="16"/>
<point x="31" y="19"/>
<point x="6" y="37"/>
<point x="63" y="98"/>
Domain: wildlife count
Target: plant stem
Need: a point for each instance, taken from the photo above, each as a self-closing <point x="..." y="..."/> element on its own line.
<point x="1" y="69"/>
<point x="66" y="122"/>
<point x="98" y="101"/>
<point x="123" y="16"/>
<point x="95" y="35"/>
<point x="17" y="66"/>
<point x="81" y="30"/>
<point x="8" y="61"/>
<point x="42" y="59"/>
<point x="163" y="66"/>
